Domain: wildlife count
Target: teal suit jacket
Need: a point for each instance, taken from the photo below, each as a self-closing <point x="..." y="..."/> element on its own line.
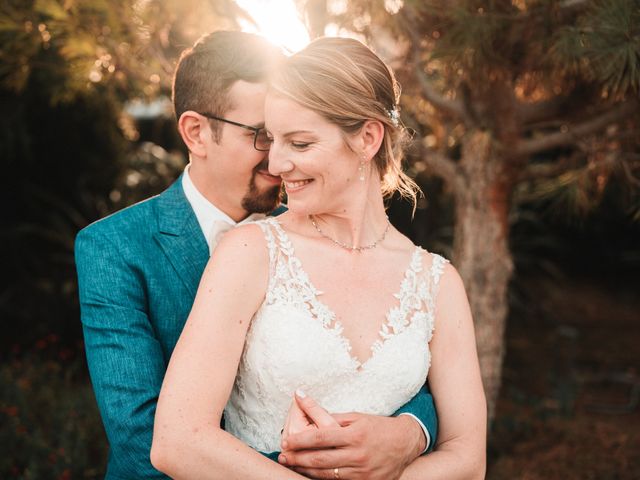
<point x="138" y="273"/>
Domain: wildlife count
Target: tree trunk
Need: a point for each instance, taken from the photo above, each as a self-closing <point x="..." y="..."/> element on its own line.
<point x="481" y="252"/>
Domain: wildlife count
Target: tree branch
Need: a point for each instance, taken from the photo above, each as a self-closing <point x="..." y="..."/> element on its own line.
<point x="443" y="167"/>
<point x="538" y="171"/>
<point x="569" y="137"/>
<point x="540" y="111"/>
<point x="450" y="106"/>
<point x="573" y="4"/>
<point x="557" y="106"/>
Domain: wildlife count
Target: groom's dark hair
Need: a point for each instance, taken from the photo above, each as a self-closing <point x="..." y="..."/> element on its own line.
<point x="206" y="71"/>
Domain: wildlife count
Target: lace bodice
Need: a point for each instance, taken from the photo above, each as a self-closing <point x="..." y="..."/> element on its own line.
<point x="294" y="341"/>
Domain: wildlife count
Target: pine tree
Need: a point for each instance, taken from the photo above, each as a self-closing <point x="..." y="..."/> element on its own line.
<point x="509" y="97"/>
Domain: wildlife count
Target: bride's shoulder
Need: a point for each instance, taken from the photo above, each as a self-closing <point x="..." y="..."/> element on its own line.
<point x="240" y="265"/>
<point x="248" y="234"/>
<point x="444" y="274"/>
<point x="243" y="245"/>
<point x="438" y="267"/>
<point x="432" y="260"/>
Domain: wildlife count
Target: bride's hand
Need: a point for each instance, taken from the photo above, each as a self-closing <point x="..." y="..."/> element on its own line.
<point x="298" y="421"/>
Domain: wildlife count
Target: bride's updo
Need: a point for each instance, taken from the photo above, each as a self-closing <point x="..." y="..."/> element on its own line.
<point x="345" y="82"/>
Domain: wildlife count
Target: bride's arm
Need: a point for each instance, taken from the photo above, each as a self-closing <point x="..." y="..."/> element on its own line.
<point x="187" y="439"/>
<point x="454" y="378"/>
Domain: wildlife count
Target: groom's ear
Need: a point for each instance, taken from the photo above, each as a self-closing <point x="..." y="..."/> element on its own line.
<point x="195" y="132"/>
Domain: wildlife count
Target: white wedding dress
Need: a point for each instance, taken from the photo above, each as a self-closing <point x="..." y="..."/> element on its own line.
<point x="294" y="342"/>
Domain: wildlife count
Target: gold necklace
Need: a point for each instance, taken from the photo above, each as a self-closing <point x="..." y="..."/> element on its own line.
<point x="352" y="248"/>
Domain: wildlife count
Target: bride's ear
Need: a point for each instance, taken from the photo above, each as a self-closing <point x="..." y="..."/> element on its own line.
<point x="193" y="127"/>
<point x="372" y="134"/>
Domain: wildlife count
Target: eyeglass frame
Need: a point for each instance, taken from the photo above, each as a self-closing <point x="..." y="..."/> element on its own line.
<point x="255" y="130"/>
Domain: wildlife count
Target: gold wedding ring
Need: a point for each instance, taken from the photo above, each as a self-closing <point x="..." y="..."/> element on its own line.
<point x="336" y="473"/>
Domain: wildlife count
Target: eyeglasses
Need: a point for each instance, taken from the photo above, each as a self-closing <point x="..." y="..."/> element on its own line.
<point x="261" y="141"/>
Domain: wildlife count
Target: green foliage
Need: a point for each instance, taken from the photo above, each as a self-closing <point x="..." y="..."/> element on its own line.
<point x="149" y="170"/>
<point x="66" y="70"/>
<point x="119" y="47"/>
<point x="77" y="46"/>
<point x="49" y="423"/>
<point x="598" y="39"/>
<point x="497" y="59"/>
<point x="605" y="45"/>
<point x="471" y="35"/>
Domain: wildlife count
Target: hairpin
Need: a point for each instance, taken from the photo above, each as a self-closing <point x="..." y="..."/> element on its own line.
<point x="394" y="116"/>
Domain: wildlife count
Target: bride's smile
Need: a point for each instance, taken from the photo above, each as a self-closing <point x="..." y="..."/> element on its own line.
<point x="314" y="158"/>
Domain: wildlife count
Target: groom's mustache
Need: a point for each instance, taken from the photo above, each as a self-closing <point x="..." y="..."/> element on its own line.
<point x="262" y="166"/>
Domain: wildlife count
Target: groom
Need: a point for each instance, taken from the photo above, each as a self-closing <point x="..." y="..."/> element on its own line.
<point x="138" y="270"/>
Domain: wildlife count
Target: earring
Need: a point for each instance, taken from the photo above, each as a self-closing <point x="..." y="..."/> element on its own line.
<point x="361" y="167"/>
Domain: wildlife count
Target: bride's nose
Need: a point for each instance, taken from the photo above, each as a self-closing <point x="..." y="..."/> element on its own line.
<point x="279" y="162"/>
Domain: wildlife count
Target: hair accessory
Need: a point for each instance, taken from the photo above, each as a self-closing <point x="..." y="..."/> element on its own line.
<point x="394" y="116"/>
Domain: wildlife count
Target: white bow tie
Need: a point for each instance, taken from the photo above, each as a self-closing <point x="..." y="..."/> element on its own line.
<point x="220" y="227"/>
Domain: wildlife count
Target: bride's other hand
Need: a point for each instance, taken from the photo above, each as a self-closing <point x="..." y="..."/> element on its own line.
<point x="304" y="414"/>
<point x="295" y="422"/>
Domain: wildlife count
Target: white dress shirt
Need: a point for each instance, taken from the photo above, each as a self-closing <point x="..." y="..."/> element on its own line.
<point x="210" y="218"/>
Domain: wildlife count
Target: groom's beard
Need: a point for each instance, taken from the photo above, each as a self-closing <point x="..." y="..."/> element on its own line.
<point x="260" y="201"/>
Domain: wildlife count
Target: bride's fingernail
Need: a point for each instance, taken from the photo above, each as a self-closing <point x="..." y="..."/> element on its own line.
<point x="282" y="459"/>
<point x="300" y="393"/>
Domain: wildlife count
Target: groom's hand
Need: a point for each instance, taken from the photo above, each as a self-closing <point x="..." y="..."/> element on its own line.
<point x="363" y="447"/>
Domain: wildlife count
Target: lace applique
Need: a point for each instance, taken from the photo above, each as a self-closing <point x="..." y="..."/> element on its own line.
<point x="398" y="319"/>
<point x="290" y="283"/>
<point x="415" y="292"/>
<point x="435" y="272"/>
<point x="294" y="341"/>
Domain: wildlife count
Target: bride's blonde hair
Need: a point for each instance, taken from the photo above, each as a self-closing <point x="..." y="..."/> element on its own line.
<point x="345" y="82"/>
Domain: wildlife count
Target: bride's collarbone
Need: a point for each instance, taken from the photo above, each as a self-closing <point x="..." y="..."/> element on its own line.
<point x="333" y="267"/>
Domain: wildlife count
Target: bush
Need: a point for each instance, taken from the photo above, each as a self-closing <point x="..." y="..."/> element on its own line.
<point x="49" y="421"/>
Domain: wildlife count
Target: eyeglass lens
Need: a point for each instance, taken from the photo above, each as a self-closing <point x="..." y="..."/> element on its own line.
<point x="261" y="140"/>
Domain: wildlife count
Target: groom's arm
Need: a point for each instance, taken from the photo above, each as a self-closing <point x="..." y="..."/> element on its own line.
<point x="422" y="409"/>
<point x="125" y="360"/>
<point x="375" y="447"/>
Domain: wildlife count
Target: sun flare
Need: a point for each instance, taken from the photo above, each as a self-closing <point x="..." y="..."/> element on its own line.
<point x="278" y="21"/>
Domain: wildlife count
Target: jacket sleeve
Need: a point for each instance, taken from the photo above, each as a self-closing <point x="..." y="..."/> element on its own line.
<point x="125" y="359"/>
<point x="423" y="410"/>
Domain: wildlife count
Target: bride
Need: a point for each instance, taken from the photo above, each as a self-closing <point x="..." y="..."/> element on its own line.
<point x="327" y="301"/>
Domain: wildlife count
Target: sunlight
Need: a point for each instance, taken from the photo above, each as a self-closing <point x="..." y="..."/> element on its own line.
<point x="278" y="21"/>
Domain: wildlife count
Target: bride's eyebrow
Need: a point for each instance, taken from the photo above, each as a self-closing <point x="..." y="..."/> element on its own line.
<point x="296" y="132"/>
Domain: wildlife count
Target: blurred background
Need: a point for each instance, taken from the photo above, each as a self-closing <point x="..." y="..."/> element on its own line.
<point x="526" y="143"/>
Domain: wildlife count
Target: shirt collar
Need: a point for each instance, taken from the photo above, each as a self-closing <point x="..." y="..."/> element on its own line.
<point x="206" y="212"/>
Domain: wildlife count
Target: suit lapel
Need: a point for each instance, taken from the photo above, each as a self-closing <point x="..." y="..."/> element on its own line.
<point x="180" y="236"/>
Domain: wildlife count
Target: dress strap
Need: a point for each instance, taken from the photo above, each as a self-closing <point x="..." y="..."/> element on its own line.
<point x="288" y="282"/>
<point x="268" y="225"/>
<point x="398" y="318"/>
<point x="435" y="273"/>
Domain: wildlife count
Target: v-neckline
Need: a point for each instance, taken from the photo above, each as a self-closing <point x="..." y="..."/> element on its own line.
<point x="336" y="327"/>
